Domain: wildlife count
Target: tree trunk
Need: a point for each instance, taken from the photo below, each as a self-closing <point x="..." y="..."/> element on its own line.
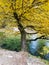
<point x="23" y="41"/>
<point x="22" y="31"/>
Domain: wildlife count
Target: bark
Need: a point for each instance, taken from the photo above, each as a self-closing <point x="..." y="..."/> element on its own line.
<point x="22" y="31"/>
<point x="23" y="41"/>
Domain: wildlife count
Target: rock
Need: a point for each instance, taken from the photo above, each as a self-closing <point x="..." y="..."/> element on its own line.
<point x="18" y="58"/>
<point x="47" y="56"/>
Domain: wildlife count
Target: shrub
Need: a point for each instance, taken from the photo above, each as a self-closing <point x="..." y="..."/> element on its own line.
<point x="11" y="43"/>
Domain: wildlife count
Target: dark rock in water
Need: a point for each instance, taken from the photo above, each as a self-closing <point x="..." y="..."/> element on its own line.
<point x="32" y="51"/>
<point x="46" y="56"/>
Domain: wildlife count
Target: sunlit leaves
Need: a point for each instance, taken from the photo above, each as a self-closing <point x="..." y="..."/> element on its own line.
<point x="31" y="12"/>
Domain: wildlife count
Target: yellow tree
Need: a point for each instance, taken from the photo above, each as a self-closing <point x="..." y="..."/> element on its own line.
<point x="26" y="13"/>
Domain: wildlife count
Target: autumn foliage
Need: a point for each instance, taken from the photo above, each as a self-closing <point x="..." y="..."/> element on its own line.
<point x="25" y="13"/>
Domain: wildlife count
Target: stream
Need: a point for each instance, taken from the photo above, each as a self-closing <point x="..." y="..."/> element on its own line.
<point x="35" y="45"/>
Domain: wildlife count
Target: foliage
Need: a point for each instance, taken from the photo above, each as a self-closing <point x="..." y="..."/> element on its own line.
<point x="25" y="13"/>
<point x="11" y="43"/>
<point x="43" y="49"/>
<point x="32" y="12"/>
<point x="41" y="44"/>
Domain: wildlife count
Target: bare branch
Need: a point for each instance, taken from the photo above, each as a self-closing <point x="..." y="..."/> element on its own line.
<point x="41" y="37"/>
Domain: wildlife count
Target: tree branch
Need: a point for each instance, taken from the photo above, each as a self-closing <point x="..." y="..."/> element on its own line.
<point x="34" y="4"/>
<point x="37" y="3"/>
<point x="41" y="37"/>
<point x="32" y="33"/>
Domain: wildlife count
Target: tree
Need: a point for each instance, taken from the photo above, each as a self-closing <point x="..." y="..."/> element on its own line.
<point x="26" y="13"/>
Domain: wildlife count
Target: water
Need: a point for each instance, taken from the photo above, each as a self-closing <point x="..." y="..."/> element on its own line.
<point x="35" y="45"/>
<point x="47" y="43"/>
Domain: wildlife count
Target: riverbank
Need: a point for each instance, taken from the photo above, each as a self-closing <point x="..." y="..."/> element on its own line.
<point x="19" y="58"/>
